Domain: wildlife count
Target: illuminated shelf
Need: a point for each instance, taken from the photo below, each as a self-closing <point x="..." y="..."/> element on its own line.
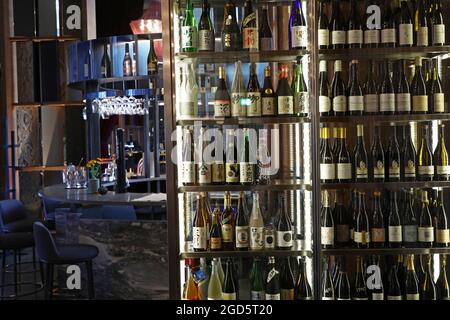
<point x="56" y="104"/>
<point x="386" y="185"/>
<point x="41" y="169"/>
<point x="44" y="39"/>
<point x="388" y="118"/>
<point x="384" y="251"/>
<point x="221" y="3"/>
<point x="244" y="121"/>
<point x="245" y="254"/>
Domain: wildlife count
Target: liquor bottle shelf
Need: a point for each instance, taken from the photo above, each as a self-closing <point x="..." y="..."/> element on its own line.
<point x="244" y="121"/>
<point x="221" y="3"/>
<point x="388" y="118"/>
<point x="386" y="185"/>
<point x="383" y="53"/>
<point x="80" y="85"/>
<point x="55" y="104"/>
<point x="245" y="254"/>
<point x="244" y="56"/>
<point x="44" y="39"/>
<point x="383" y="251"/>
<point x="275" y="185"/>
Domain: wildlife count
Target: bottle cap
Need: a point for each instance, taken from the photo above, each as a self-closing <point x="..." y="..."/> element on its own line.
<point x="337" y="65"/>
<point x="418" y="61"/>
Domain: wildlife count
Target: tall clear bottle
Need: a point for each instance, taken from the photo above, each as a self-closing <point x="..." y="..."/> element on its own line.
<point x="238" y="93"/>
<point x="300" y="91"/>
<point x="256" y="225"/>
<point x="215" y="285"/>
<point x="188" y="93"/>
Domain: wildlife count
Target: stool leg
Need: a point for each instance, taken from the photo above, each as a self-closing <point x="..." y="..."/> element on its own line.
<point x="49" y="282"/>
<point x="3" y="271"/>
<point x="41" y="269"/>
<point x="15" y="272"/>
<point x="34" y="258"/>
<point x="90" y="275"/>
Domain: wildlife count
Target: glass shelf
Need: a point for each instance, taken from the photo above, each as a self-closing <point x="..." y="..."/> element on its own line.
<point x="383" y="53"/>
<point x="245" y="254"/>
<point x="384" y="251"/>
<point x="244" y="56"/>
<point x="387" y="185"/>
<point x="243" y="121"/>
<point x="388" y="118"/>
<point x="239" y="3"/>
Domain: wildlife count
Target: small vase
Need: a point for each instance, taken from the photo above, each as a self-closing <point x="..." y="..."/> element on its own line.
<point x="93" y="186"/>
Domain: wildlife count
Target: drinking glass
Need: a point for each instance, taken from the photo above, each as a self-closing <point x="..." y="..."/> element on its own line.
<point x="82" y="178"/>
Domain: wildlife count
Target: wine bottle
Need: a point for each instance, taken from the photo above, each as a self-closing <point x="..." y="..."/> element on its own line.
<point x="106" y="63"/>
<point x="229" y="291"/>
<point x="215" y="285"/>
<point x="231" y="34"/>
<point x="227" y="224"/>
<point x="265" y="32"/>
<point x="323" y="24"/>
<point x="222" y="98"/>
<point x="442" y="227"/>
<point x="425" y="158"/>
<point x="337" y="28"/>
<point x="304" y="291"/>
<point x="257" y="281"/>
<point x="188" y="100"/>
<point x="405" y="27"/>
<point x="395" y="225"/>
<point x="206" y="38"/>
<point x="250" y="34"/>
<point x="327" y="162"/>
<point x="427" y="287"/>
<point x="388" y="31"/>
<point x="300" y="91"/>
<point x="335" y="273"/>
<point x="441" y="160"/>
<point x="343" y="286"/>
<point x="436" y="97"/>
<point x="324" y="90"/>
<point x="287" y="282"/>
<point x="412" y="285"/>
<point x="360" y="289"/>
<point x="387" y="93"/>
<point x="189" y="33"/>
<point x="232" y="172"/>
<point x="338" y="90"/>
<point x="272" y="281"/>
<point x="284" y="234"/>
<point x="191" y="291"/>
<point x="419" y="90"/>
<point x="256" y="225"/>
<point x="375" y="286"/>
<point x="246" y="164"/>
<point x="355" y="35"/>
<point x="362" y="229"/>
<point x="253" y="94"/>
<point x="421" y="25"/>
<point x="355" y="93"/>
<point x="442" y="287"/>
<point x="152" y="60"/>
<point x="327" y="288"/>
<point x="353" y="213"/>
<point x="284" y="93"/>
<point x="344" y="165"/>
<point x="410" y="224"/>
<point x="402" y="92"/>
<point x="393" y="156"/>
<point x="371" y="31"/>
<point x="217" y="166"/>
<point x="204" y="169"/>
<point x="377" y="229"/>
<point x="215" y="235"/>
<point x="238" y="108"/>
<point x="409" y="154"/>
<point x="242" y="225"/>
<point x="187" y="169"/>
<point x="378" y="160"/>
<point x="394" y="290"/>
<point x="437" y="21"/>
<point x="268" y="96"/>
<point x="127" y="62"/>
<point x="327" y="225"/>
<point x="297" y="27"/>
<point x="199" y="226"/>
<point x="342" y="222"/>
<point x="371" y="98"/>
<point x="425" y="230"/>
<point x="360" y="158"/>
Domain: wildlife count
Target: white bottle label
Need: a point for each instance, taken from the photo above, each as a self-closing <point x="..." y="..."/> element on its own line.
<point x="344" y="171"/>
<point x="327" y="171"/>
<point x="443" y="236"/>
<point x="247" y="173"/>
<point x="439" y="34"/>
<point x="189" y="37"/>
<point x="242" y="237"/>
<point x="414" y="296"/>
<point x="222" y="108"/>
<point x="443" y="170"/>
<point x="371" y="103"/>
<point x="403" y="102"/>
<point x="299" y="36"/>
<point x="420" y="103"/>
<point x="394" y="169"/>
<point x="237" y="107"/>
<point x="340" y="104"/>
<point x="324" y="104"/>
<point x="204" y="173"/>
<point x="256" y="238"/>
<point x="406" y="34"/>
<point x="199" y="239"/>
<point x="254" y="109"/>
<point x="273" y="296"/>
<point x="438" y="102"/>
<point x="327" y="235"/>
<point x="337" y="37"/>
<point x="251" y="38"/>
<point x="394" y="298"/>
<point x="301" y="103"/>
<point x="356" y="103"/>
<point x="188" y="109"/>
<point x="218" y="172"/>
<point x="372" y="36"/>
<point x="229" y="296"/>
<point x="388" y="36"/>
<point x="268" y="106"/>
<point x="378" y="170"/>
<point x="355" y="36"/>
<point x="206" y="40"/>
<point x="426" y="170"/>
<point x="410" y="169"/>
<point x="377" y="296"/>
<point x="188" y="172"/>
<point x="284" y="239"/>
<point x="324" y="37"/>
<point x="426" y="234"/>
<point x="387" y="102"/>
<point x="422" y="37"/>
<point x="286" y="105"/>
<point x="395" y="234"/>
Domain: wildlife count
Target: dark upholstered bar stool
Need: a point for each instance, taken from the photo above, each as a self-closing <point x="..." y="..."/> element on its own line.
<point x="15" y="217"/>
<point x="51" y="255"/>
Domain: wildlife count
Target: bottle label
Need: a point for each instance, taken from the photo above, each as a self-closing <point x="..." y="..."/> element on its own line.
<point x="362" y="237"/>
<point x="394" y="170"/>
<point x="443" y="170"/>
<point x="222" y="108"/>
<point x="439" y="34"/>
<point x="438" y="102"/>
<point x="286" y="105"/>
<point x="215" y="243"/>
<point x="327" y="298"/>
<point x="426" y="234"/>
<point x="361" y="170"/>
<point x="301" y="103"/>
<point x="394" y="297"/>
<point x="443" y="236"/>
<point x="272" y="273"/>
<point x="324" y="37"/>
<point x="406" y="34"/>
<point x="371" y="103"/>
<point x="299" y="36"/>
<point x="287" y="294"/>
<point x="403" y="102"/>
<point x="410" y="233"/>
<point x="387" y="102"/>
<point x="426" y="170"/>
<point x="355" y="36"/>
<point x="227" y="231"/>
<point x="420" y="103"/>
<point x="327" y="235"/>
<point x="247" y="174"/>
<point x="127" y="68"/>
<point x="256" y="238"/>
<point x="356" y="103"/>
<point x="337" y="37"/>
<point x="395" y="233"/>
<point x="324" y="104"/>
<point x="188" y="172"/>
<point x="378" y="234"/>
<point x="242" y="237"/>
<point x="103" y="72"/>
<point x="257" y="295"/>
<point x="377" y="296"/>
<point x="378" y="170"/>
<point x="327" y="171"/>
<point x="284" y="239"/>
<point x="250" y="37"/>
<point x="422" y="37"/>
<point x="340" y="104"/>
<point x="273" y="297"/>
<point x="218" y="172"/>
<point x="414" y="296"/>
<point x="199" y="239"/>
<point x="189" y="37"/>
<point x="204" y="173"/>
<point x="206" y="40"/>
<point x="344" y="171"/>
<point x="388" y="36"/>
<point x="268" y="106"/>
<point x="343" y="233"/>
<point x="266" y="44"/>
<point x="254" y="109"/>
<point x="187" y="109"/>
<point x="232" y="173"/>
<point x="372" y="36"/>
<point x="237" y="107"/>
<point x="269" y="239"/>
<point x="229" y="296"/>
<point x="410" y="169"/>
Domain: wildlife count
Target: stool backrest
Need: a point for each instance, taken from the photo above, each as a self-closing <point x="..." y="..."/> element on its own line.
<point x="12" y="210"/>
<point x="44" y="243"/>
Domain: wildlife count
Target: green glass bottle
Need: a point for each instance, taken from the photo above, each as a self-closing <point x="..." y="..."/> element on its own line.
<point x="257" y="291"/>
<point x="189" y="34"/>
<point x="300" y="90"/>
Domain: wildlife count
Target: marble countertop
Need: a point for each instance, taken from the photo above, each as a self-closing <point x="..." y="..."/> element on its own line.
<point x="60" y="193"/>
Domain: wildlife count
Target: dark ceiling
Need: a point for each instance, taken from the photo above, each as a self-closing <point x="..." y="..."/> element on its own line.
<point x="113" y="17"/>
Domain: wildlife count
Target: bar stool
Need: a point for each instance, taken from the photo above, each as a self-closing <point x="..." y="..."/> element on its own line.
<point x="51" y="255"/>
<point x="15" y="217"/>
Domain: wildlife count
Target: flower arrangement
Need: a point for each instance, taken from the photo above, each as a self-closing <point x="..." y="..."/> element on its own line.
<point x="94" y="167"/>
